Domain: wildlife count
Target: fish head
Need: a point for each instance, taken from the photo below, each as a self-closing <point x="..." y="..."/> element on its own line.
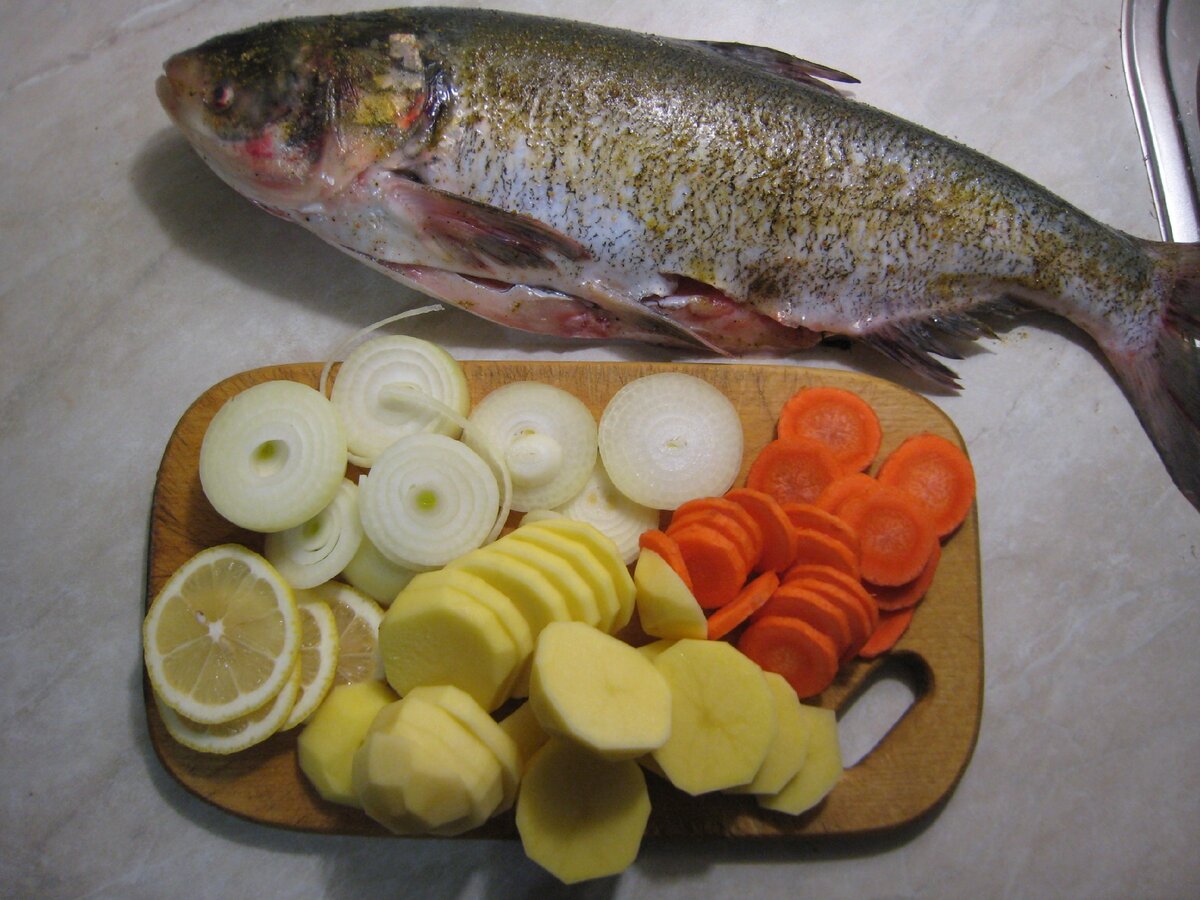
<point x="291" y="112"/>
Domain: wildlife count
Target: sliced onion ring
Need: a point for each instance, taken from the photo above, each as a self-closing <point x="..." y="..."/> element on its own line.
<point x="315" y="551"/>
<point x="273" y="456"/>
<point x="669" y="437"/>
<point x="428" y="500"/>
<point x="601" y="505"/>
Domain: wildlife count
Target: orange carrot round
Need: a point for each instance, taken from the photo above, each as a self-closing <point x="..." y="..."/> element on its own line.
<point x="741" y="607"/>
<point x="726" y="525"/>
<point x="807" y="659"/>
<point x="890" y="629"/>
<point x="665" y="546"/>
<point x="937" y="473"/>
<point x="838" y="418"/>
<point x="779" y="534"/>
<point x="821" y="549"/>
<point x="716" y="564"/>
<point x="844" y="488"/>
<point x="820" y="612"/>
<point x="809" y="515"/>
<point x="859" y="621"/>
<point x="794" y="471"/>
<point x="910" y="593"/>
<point x="804" y="573"/>
<point x="894" y="533"/>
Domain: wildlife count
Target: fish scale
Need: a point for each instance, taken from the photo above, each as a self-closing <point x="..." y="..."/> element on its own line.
<point x="583" y="181"/>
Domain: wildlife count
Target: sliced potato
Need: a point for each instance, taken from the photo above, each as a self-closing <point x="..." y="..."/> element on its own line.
<point x="599" y="691"/>
<point x="420" y="771"/>
<point x="538" y="601"/>
<point x="822" y="766"/>
<point x="722" y="716"/>
<point x="580" y="816"/>
<point x="580" y="557"/>
<point x="328" y="741"/>
<point x="606" y="551"/>
<point x="526" y="732"/>
<point x="481" y="591"/>
<point x="666" y="608"/>
<point x="475" y="719"/>
<point x="443" y="637"/>
<point x="579" y="597"/>
<point x="790" y="747"/>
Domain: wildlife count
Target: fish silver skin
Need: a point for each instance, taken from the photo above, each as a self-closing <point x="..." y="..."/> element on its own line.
<point x="583" y="181"/>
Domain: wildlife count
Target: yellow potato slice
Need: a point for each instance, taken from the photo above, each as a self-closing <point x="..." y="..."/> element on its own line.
<point x="486" y="730"/>
<point x="419" y="771"/>
<point x="822" y="766"/>
<point x="443" y="637"/>
<point x="580" y="557"/>
<point x="581" y="816"/>
<point x="538" y="601"/>
<point x="599" y="691"/>
<point x="605" y="550"/>
<point x="654" y="648"/>
<point x="790" y="747"/>
<point x="327" y="744"/>
<point x="580" y="600"/>
<point x="483" y="592"/>
<point x="526" y="732"/>
<point x="666" y="608"/>
<point x="722" y="716"/>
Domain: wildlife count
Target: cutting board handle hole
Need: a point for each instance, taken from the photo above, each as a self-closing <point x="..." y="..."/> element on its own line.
<point x="883" y="699"/>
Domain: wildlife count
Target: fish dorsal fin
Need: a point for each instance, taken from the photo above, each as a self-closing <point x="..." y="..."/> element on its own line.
<point x="779" y="63"/>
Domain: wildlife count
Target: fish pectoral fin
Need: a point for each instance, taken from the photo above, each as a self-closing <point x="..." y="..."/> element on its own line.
<point x="776" y="62"/>
<point x="473" y="235"/>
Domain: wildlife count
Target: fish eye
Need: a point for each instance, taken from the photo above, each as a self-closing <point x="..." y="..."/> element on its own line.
<point x="221" y="97"/>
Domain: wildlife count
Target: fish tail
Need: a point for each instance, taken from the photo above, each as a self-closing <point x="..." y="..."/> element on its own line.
<point x="1163" y="379"/>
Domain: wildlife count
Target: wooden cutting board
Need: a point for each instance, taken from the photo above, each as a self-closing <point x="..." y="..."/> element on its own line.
<point x="904" y="779"/>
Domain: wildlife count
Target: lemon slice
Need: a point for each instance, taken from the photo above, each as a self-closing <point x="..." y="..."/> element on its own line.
<point x="318" y="659"/>
<point x="358" y="618"/>
<point x="222" y="637"/>
<point x="240" y="733"/>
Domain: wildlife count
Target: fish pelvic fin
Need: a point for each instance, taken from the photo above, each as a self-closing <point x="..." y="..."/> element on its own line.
<point x="914" y="343"/>
<point x="1163" y="380"/>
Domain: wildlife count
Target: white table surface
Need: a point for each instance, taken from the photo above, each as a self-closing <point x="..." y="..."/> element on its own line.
<point x="131" y="280"/>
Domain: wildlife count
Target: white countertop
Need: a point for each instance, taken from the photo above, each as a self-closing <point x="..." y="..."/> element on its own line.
<point x="131" y="280"/>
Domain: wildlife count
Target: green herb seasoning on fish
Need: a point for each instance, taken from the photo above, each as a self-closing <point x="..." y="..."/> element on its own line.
<point x="582" y="181"/>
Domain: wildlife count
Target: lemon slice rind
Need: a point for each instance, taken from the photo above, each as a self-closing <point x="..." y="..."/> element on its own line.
<point x="318" y="659"/>
<point x="220" y="644"/>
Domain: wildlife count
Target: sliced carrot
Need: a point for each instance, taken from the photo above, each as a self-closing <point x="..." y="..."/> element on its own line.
<point x="794" y="471"/>
<point x="827" y="574"/>
<point x="665" y="546"/>
<point x="741" y="607"/>
<point x="910" y="593"/>
<point x="779" y="534"/>
<point x="716" y="564"/>
<point x="838" y="418"/>
<point x="809" y="515"/>
<point x="820" y="549"/>
<point x="733" y="528"/>
<point x="856" y="610"/>
<point x="836" y="494"/>
<point x="894" y="533"/>
<point x="890" y="629"/>
<point x="807" y="659"/>
<point x="820" y="612"/>
<point x="937" y="473"/>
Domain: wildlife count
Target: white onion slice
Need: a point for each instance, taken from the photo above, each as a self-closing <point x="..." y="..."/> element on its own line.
<point x="547" y="438"/>
<point x="669" y="437"/>
<point x="344" y="348"/>
<point x="315" y="551"/>
<point x="376" y="575"/>
<point x="370" y="387"/>
<point x="601" y="505"/>
<point x="273" y="456"/>
<point x="428" y="500"/>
